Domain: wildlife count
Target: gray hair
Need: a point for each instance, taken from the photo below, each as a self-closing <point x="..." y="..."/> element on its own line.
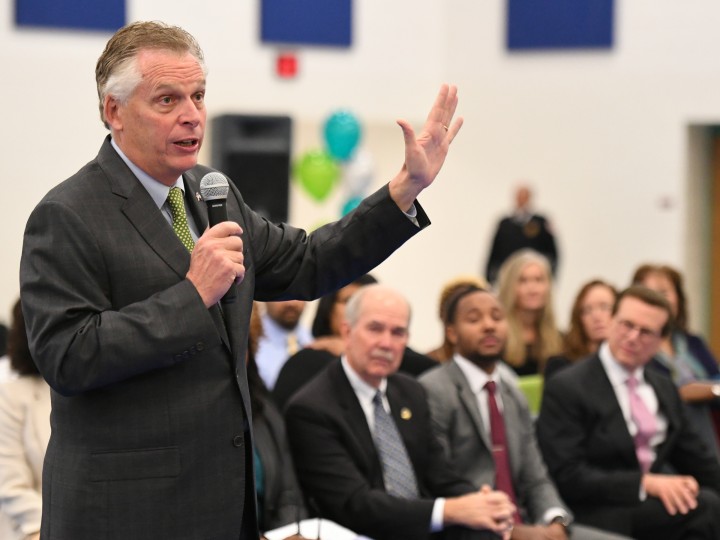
<point x="117" y="73"/>
<point x="354" y="307"/>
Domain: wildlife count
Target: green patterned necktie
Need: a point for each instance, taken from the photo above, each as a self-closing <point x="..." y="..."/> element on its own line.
<point x="180" y="224"/>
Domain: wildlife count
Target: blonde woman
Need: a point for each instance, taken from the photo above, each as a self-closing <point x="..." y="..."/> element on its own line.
<point x="525" y="290"/>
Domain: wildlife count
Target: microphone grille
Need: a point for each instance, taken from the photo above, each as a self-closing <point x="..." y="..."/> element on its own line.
<point x="214" y="186"/>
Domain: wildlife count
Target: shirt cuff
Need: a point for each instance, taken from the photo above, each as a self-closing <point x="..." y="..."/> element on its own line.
<point x="436" y="521"/>
<point x="412" y="215"/>
<point x="554" y="512"/>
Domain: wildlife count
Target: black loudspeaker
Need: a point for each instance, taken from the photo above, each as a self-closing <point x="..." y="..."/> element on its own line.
<point x="254" y="152"/>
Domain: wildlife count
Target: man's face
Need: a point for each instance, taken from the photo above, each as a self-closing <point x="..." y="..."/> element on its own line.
<point x="376" y="342"/>
<point x="286" y="314"/>
<point x="635" y="332"/>
<point x="161" y="127"/>
<point x="480" y="328"/>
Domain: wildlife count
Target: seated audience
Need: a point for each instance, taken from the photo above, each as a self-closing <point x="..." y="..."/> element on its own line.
<point x="329" y="345"/>
<point x="617" y="441"/>
<point x="684" y="356"/>
<point x="444" y="352"/>
<point x="589" y="323"/>
<point x="363" y="445"/>
<point x="279" y="498"/>
<point x="283" y="335"/>
<point x="24" y="436"/>
<point x="525" y="291"/>
<point x="484" y="424"/>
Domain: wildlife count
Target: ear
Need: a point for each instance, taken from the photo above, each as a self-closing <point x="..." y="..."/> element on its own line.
<point x="111" y="110"/>
<point x="344" y="330"/>
<point x="451" y="335"/>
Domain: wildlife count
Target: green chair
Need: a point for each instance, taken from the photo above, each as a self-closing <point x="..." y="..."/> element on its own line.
<point x="532" y="387"/>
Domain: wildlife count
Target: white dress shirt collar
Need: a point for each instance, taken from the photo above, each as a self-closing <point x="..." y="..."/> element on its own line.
<point x="157" y="190"/>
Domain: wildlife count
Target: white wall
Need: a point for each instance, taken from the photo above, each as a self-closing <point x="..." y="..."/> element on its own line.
<point x="603" y="136"/>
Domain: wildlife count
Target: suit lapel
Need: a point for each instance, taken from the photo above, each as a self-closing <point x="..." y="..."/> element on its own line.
<point x="665" y="400"/>
<point x="402" y="413"/>
<point x="355" y="418"/>
<point x="611" y="418"/>
<point x="469" y="403"/>
<point x="512" y="418"/>
<point x="141" y="211"/>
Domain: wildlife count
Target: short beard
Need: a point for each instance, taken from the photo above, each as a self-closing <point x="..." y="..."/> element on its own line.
<point x="486" y="362"/>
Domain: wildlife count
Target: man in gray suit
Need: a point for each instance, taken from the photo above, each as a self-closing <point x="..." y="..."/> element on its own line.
<point x="121" y="282"/>
<point x="462" y="415"/>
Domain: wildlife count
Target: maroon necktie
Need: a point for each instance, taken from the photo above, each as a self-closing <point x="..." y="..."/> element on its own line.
<point x="503" y="479"/>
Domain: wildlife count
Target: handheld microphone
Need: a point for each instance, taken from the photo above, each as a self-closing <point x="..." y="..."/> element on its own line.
<point x="214" y="189"/>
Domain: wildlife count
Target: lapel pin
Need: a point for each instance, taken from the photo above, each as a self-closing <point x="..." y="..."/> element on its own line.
<point x="405" y="413"/>
<point x="198" y="197"/>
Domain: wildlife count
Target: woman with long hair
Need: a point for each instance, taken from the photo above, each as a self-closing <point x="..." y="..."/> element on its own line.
<point x="525" y="290"/>
<point x="589" y="323"/>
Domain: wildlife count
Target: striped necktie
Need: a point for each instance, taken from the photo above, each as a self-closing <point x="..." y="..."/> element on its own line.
<point x="398" y="473"/>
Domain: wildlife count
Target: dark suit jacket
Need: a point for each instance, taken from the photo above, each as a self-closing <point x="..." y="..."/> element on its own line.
<point x="590" y="453"/>
<point x="338" y="465"/>
<point x="150" y="395"/>
<point x="512" y="236"/>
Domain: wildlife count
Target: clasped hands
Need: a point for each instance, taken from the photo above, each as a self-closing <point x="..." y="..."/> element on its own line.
<point x="484" y="509"/>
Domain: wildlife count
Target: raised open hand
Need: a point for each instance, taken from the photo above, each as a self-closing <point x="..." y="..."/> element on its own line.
<point x="426" y="152"/>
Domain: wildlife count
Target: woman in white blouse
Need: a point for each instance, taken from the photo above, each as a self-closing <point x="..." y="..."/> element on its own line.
<point x="24" y="435"/>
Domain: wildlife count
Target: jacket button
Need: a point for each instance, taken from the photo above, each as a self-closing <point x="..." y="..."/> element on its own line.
<point x="200" y="345"/>
<point x="238" y="441"/>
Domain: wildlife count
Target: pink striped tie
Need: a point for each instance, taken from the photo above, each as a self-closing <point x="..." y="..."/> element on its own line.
<point x="644" y="422"/>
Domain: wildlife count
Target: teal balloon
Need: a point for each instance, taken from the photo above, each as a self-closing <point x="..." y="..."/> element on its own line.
<point x="351" y="204"/>
<point x="317" y="172"/>
<point x="342" y="134"/>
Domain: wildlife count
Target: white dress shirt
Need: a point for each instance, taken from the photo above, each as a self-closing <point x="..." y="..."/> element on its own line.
<point x="618" y="376"/>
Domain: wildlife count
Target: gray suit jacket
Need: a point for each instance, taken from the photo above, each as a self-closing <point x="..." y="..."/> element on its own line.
<point x="150" y="396"/>
<point x="458" y="424"/>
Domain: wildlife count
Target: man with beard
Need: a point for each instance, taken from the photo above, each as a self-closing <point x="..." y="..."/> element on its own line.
<point x="282" y="336"/>
<point x="483" y="422"/>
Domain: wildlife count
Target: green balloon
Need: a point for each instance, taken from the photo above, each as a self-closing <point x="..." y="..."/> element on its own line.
<point x="317" y="173"/>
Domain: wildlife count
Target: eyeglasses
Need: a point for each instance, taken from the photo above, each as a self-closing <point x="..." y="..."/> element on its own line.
<point x="644" y="334"/>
